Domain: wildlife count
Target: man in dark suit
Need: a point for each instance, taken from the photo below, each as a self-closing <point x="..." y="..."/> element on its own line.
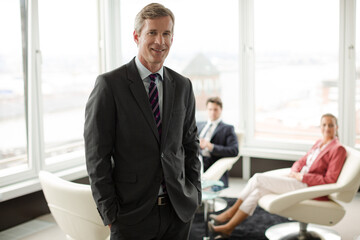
<point x="141" y="140"/>
<point x="217" y="139"/>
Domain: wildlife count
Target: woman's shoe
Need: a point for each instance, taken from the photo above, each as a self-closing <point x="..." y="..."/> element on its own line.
<point x="213" y="217"/>
<point x="219" y="235"/>
<point x="222" y="236"/>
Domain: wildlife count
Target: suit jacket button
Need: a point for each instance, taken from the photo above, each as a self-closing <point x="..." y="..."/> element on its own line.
<point x="162" y="155"/>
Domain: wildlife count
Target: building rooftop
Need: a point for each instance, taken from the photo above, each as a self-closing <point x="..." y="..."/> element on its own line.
<point x="200" y="65"/>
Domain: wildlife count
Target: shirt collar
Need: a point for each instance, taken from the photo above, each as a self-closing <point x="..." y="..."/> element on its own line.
<point x="216" y="122"/>
<point x="144" y="72"/>
<point x="327" y="144"/>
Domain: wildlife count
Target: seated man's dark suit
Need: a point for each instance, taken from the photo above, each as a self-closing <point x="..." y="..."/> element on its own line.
<point x="225" y="145"/>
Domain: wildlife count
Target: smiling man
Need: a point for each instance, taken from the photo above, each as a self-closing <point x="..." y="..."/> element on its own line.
<point x="141" y="139"/>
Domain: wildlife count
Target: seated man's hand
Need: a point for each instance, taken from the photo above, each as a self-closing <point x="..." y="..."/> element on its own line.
<point x="204" y="143"/>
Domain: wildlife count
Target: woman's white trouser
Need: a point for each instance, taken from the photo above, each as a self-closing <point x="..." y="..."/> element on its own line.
<point x="261" y="184"/>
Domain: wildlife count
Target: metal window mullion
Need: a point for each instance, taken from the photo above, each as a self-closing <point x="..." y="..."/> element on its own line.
<point x="101" y="35"/>
<point x="109" y="33"/>
<point x="112" y="31"/>
<point x="347" y="72"/>
<point x="36" y="136"/>
<point x="247" y="68"/>
<point x="24" y="42"/>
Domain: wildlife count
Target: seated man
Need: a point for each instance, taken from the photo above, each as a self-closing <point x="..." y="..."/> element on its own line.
<point x="217" y="139"/>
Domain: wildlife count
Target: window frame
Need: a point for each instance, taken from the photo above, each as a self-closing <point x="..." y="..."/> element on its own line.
<point x="18" y="174"/>
<point x="20" y="183"/>
<point x="346" y="90"/>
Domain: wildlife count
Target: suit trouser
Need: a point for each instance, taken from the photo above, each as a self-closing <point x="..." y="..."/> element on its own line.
<point x="261" y="184"/>
<point x="162" y="223"/>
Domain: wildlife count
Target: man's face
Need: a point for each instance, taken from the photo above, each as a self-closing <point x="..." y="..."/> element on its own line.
<point x="214" y="111"/>
<point x="154" y="42"/>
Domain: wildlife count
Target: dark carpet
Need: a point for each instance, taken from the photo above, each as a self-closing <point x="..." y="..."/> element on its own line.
<point x="253" y="228"/>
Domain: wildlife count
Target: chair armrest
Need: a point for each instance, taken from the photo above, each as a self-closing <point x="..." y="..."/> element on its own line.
<point x="279" y="172"/>
<point x="280" y="202"/>
<point x="216" y="170"/>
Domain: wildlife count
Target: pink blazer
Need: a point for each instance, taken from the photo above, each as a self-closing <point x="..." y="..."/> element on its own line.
<point x="326" y="167"/>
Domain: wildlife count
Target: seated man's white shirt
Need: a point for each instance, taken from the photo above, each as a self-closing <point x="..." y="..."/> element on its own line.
<point x="207" y="133"/>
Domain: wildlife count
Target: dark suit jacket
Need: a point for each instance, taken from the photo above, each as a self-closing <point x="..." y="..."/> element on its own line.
<point x="225" y="144"/>
<point x="124" y="156"/>
<point x="327" y="166"/>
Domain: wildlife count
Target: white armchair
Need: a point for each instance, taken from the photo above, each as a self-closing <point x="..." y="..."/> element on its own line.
<point x="216" y="170"/>
<point x="300" y="205"/>
<point x="73" y="208"/>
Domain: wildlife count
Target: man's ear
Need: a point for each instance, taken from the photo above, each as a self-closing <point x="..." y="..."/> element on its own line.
<point x="136" y="37"/>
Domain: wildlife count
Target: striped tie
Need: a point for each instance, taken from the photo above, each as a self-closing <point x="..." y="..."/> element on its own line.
<point x="154" y="102"/>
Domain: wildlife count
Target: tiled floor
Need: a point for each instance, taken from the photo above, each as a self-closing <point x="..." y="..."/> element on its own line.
<point x="40" y="228"/>
<point x="28" y="228"/>
<point x="45" y="228"/>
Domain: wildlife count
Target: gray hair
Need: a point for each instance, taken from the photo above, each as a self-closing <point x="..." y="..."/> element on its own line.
<point x="152" y="11"/>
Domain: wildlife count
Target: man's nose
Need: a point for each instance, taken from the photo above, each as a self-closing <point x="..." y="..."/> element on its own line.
<point x="159" y="39"/>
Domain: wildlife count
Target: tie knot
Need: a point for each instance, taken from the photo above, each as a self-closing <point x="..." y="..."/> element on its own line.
<point x="153" y="77"/>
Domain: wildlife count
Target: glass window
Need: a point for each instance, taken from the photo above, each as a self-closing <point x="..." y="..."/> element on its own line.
<point x="13" y="144"/>
<point x="70" y="63"/>
<point x="205" y="49"/>
<point x="296" y="67"/>
<point x="357" y="96"/>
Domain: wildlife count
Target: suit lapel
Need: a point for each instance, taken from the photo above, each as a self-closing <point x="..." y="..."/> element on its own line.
<point x="138" y="90"/>
<point x="201" y="127"/>
<point x="217" y="129"/>
<point x="327" y="148"/>
<point x="168" y="102"/>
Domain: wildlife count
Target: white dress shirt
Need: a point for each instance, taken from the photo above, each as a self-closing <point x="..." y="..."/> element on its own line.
<point x="144" y="74"/>
<point x="207" y="133"/>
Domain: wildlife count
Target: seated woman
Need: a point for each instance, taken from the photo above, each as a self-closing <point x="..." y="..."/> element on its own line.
<point x="321" y="165"/>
